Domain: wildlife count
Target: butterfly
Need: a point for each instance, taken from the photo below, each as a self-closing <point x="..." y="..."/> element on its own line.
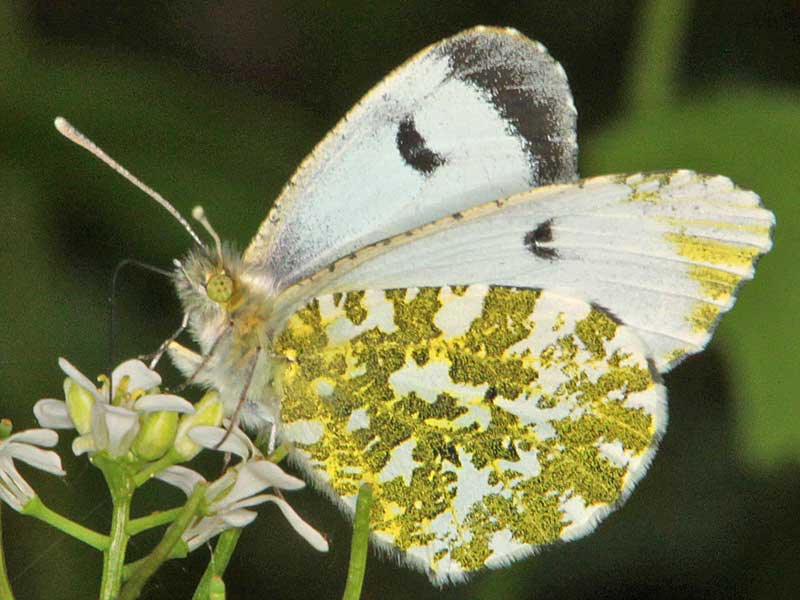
<point x="436" y="305"/>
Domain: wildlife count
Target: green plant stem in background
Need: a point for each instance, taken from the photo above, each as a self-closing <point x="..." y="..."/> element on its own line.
<point x="36" y="508"/>
<point x="5" y="584"/>
<point x="121" y="486"/>
<point x="226" y="544"/>
<point x="358" y="550"/>
<point x="656" y="54"/>
<point x="162" y="552"/>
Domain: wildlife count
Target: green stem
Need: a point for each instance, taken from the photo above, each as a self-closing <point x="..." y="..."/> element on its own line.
<point x="226" y="544"/>
<point x="179" y="550"/>
<point x="120" y="484"/>
<point x="358" y="549"/>
<point x="162" y="551"/>
<point x="656" y="54"/>
<point x="36" y="508"/>
<point x="152" y="468"/>
<point x="136" y="526"/>
<point x="5" y="585"/>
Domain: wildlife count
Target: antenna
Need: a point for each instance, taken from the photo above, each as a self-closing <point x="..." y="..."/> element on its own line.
<point x="72" y="134"/>
<point x="199" y="215"/>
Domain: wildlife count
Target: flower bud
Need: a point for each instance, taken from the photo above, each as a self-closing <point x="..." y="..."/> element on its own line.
<point x="216" y="589"/>
<point x="156" y="435"/>
<point x="79" y="405"/>
<point x="209" y="411"/>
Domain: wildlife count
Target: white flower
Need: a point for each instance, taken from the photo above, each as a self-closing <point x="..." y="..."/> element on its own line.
<point x="229" y="497"/>
<point x="24" y="446"/>
<point x="107" y="426"/>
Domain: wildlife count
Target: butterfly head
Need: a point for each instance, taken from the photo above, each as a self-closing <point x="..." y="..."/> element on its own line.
<point x="209" y="283"/>
<point x="219" y="293"/>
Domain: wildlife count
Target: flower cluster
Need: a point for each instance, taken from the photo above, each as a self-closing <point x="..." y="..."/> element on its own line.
<point x="127" y="420"/>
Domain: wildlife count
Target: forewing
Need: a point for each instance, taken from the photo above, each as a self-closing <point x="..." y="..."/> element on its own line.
<point x="665" y="253"/>
<point x="490" y="421"/>
<point x="478" y="116"/>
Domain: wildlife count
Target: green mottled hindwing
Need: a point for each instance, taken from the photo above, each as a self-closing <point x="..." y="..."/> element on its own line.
<point x="489" y="420"/>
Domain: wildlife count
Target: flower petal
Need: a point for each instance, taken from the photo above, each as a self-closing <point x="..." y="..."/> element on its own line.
<point x="183" y="478"/>
<point x="83" y="444"/>
<point x="9" y="498"/>
<point x="121" y="426"/>
<point x="99" y="429"/>
<point x="198" y="534"/>
<point x="82" y="380"/>
<point x="52" y="413"/>
<point x="40" y="437"/>
<point x="311" y="535"/>
<point x="239" y="518"/>
<point x="167" y="402"/>
<point x="267" y="474"/>
<point x="141" y="377"/>
<point x="235" y="442"/>
<point x="277" y="477"/>
<point x="249" y="481"/>
<point x="13" y="487"/>
<point x="44" y="460"/>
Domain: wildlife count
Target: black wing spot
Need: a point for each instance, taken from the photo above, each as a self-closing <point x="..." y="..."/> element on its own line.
<point x="412" y="148"/>
<point x="534" y="239"/>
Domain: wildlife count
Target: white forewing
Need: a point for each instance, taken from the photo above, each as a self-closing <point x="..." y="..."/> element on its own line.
<point x="482" y="115"/>
<point x="664" y="253"/>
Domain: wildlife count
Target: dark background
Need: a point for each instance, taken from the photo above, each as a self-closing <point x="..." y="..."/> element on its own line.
<point x="216" y="102"/>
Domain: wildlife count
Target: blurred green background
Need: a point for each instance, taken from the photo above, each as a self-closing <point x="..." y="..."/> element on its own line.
<point x="216" y="102"/>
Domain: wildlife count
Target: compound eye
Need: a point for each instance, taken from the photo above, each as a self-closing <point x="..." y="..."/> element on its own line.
<point x="220" y="288"/>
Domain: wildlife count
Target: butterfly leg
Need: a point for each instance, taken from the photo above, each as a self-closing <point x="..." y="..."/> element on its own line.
<point x="156" y="356"/>
<point x="203" y="363"/>
<point x="251" y="368"/>
<point x="272" y="435"/>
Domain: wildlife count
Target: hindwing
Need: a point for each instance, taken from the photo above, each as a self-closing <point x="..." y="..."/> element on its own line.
<point x="490" y="421"/>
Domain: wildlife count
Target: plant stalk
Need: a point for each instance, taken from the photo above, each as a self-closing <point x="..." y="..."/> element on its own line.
<point x="37" y="509"/>
<point x="121" y="487"/>
<point x="156" y="519"/>
<point x="656" y="54"/>
<point x="226" y="544"/>
<point x="358" y="549"/>
<point x="162" y="552"/>
<point x="5" y="585"/>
